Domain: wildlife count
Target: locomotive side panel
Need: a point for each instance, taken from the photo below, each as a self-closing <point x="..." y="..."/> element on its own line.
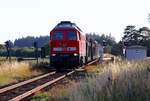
<point x="82" y="48"/>
<point x="88" y="51"/>
<point x="92" y="50"/>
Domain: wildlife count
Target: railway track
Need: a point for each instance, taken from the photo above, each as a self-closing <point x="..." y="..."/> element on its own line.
<point x="27" y="88"/>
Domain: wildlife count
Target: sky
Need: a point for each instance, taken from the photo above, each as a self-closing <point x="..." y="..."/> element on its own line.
<point x="21" y="18"/>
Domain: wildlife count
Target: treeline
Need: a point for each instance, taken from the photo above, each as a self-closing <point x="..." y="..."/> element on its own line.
<point x="28" y="41"/>
<point x="24" y="51"/>
<point x="24" y="47"/>
<point x="19" y="52"/>
<point x="111" y="45"/>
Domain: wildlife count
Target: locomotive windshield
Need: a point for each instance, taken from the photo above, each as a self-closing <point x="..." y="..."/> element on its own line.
<point x="71" y="36"/>
<point x="57" y="36"/>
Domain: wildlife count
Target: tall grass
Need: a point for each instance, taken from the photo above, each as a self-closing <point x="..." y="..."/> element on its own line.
<point x="57" y="93"/>
<point x="15" y="71"/>
<point x="123" y="81"/>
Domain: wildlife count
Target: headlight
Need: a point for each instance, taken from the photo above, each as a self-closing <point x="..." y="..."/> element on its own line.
<point x="75" y="54"/>
<point x="53" y="54"/>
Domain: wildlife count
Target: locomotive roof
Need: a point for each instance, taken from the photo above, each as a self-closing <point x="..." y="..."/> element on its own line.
<point x="67" y="24"/>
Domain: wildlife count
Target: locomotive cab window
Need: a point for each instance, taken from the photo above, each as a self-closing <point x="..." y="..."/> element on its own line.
<point x="71" y="36"/>
<point x="57" y="36"/>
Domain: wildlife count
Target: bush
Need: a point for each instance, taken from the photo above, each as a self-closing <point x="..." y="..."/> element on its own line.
<point x="19" y="52"/>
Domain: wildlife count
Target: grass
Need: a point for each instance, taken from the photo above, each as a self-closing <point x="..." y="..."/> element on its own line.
<point x="56" y="93"/>
<point x="18" y="71"/>
<point x="41" y="97"/>
<point x="15" y="71"/>
<point x="120" y="81"/>
<point x="3" y="59"/>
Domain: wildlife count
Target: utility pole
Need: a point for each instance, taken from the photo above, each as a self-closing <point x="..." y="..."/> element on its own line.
<point x="43" y="53"/>
<point x="104" y="45"/>
<point x="8" y="48"/>
<point x="91" y="44"/>
<point x="35" y="44"/>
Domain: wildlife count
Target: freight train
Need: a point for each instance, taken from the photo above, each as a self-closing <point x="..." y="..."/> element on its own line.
<point x="70" y="48"/>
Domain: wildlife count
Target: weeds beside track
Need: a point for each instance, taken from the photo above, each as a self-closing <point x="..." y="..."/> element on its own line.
<point x="27" y="88"/>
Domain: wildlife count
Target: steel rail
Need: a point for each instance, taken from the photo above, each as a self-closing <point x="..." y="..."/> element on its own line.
<point x="2" y="90"/>
<point x="92" y="62"/>
<point x="28" y="93"/>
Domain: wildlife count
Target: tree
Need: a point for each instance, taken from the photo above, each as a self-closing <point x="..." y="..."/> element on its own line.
<point x="128" y="32"/>
<point x="133" y="36"/>
<point x="109" y="39"/>
<point x="117" y="49"/>
<point x="2" y="46"/>
<point x="47" y="49"/>
<point x="145" y="31"/>
<point x="23" y="52"/>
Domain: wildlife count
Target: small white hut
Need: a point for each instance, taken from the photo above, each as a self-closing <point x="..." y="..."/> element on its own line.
<point x="135" y="52"/>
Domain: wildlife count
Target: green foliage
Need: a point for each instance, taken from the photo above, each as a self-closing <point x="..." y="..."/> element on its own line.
<point x="108" y="49"/>
<point x="47" y="48"/>
<point x="2" y="52"/>
<point x="29" y="40"/>
<point x="110" y="40"/>
<point x="133" y="36"/>
<point x="19" y="52"/>
<point x="1" y="47"/>
<point x="41" y="97"/>
<point x="24" y="52"/>
<point x="117" y="49"/>
<point x="111" y="45"/>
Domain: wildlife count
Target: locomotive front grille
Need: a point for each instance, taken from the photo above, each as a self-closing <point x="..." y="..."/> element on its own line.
<point x="65" y="60"/>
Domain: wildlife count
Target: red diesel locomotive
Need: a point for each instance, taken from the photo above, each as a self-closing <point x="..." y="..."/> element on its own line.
<point x="69" y="47"/>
